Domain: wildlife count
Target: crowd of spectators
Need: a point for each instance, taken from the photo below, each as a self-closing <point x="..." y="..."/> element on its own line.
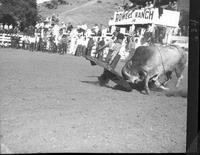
<point x="172" y="6"/>
<point x="133" y="6"/>
<point x="54" y="36"/>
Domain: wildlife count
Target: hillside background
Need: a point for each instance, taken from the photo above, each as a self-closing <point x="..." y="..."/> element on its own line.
<point x="97" y="11"/>
<point x="83" y="11"/>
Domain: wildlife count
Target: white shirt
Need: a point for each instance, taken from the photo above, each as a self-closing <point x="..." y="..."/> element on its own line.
<point x="84" y="27"/>
<point x="6" y="27"/>
<point x="31" y="39"/>
<point x="96" y="29"/>
<point x="56" y="30"/>
<point x="10" y="27"/>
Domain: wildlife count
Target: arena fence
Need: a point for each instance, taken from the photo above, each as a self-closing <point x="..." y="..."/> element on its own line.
<point x="5" y="40"/>
<point x="182" y="41"/>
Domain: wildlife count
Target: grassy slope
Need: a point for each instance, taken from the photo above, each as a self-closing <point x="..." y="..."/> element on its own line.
<point x="84" y="11"/>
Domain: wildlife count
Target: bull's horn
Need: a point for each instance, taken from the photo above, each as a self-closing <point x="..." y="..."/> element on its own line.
<point x="125" y="74"/>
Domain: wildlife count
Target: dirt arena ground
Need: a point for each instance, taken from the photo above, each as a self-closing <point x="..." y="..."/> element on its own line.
<point x="53" y="103"/>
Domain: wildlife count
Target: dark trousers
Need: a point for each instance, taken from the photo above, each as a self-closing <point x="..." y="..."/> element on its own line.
<point x="106" y="76"/>
<point x="79" y="50"/>
<point x="100" y="55"/>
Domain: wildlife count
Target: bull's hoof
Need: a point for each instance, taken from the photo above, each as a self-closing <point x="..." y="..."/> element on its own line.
<point x="164" y="88"/>
<point x="145" y="92"/>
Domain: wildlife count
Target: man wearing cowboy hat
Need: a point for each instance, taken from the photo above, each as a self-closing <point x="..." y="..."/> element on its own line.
<point x="114" y="49"/>
<point x="112" y="58"/>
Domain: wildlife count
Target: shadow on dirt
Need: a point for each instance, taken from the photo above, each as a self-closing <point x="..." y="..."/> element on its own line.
<point x="91" y="82"/>
<point x="96" y="83"/>
<point x="92" y="76"/>
<point x="176" y="93"/>
<point x="140" y="88"/>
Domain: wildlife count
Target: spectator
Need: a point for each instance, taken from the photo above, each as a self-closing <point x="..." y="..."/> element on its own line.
<point x="89" y="46"/>
<point x="59" y="40"/>
<point x="10" y="27"/>
<point x="84" y="27"/>
<point x="1" y="26"/>
<point x="96" y="29"/>
<point x="169" y="7"/>
<point x="64" y="41"/>
<point x="6" y="27"/>
<point x="174" y="6"/>
<point x="78" y="51"/>
<point x="73" y="42"/>
<point x="100" y="44"/>
<point x="130" y="45"/>
<point x="126" y="6"/>
<point x="150" y="4"/>
<point x="146" y="4"/>
<point x="69" y="27"/>
<point x="99" y="33"/>
<point x="115" y="33"/>
<point x="133" y="6"/>
<point x="55" y="32"/>
<point x="31" y="43"/>
<point x="114" y="49"/>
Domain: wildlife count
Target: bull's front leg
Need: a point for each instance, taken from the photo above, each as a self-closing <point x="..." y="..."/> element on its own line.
<point x="146" y="83"/>
<point x="168" y="77"/>
<point x="159" y="85"/>
<point x="179" y="81"/>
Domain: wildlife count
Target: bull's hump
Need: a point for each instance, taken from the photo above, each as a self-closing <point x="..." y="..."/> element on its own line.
<point x="144" y="53"/>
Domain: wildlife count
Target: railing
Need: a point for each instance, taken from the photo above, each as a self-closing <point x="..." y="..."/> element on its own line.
<point x="182" y="41"/>
<point x="5" y="40"/>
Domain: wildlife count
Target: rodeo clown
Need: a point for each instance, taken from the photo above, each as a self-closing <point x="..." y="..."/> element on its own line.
<point x="112" y="58"/>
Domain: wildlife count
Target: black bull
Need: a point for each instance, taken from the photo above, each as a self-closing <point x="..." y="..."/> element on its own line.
<point x="150" y="62"/>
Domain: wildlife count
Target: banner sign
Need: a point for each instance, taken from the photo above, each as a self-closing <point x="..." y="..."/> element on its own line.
<point x="146" y="16"/>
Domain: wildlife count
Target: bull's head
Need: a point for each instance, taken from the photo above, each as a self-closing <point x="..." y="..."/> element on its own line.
<point x="131" y="75"/>
<point x="134" y="79"/>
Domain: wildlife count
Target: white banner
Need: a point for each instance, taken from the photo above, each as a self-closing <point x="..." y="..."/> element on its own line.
<point x="145" y="16"/>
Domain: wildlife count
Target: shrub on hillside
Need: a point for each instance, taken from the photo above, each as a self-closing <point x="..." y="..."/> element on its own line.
<point x="99" y="1"/>
<point x="49" y="5"/>
<point x="62" y="2"/>
<point x="53" y="4"/>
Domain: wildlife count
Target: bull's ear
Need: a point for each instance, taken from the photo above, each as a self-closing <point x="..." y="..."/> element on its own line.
<point x="140" y="73"/>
